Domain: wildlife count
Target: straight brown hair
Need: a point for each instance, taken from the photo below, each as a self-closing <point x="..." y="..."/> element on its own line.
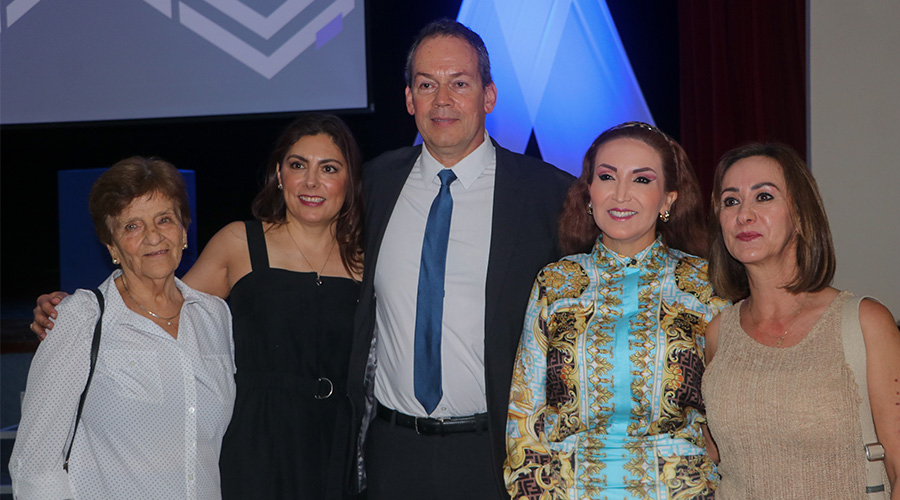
<point x="815" y="249"/>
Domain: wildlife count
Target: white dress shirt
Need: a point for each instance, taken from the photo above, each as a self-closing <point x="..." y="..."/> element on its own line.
<point x="155" y="413"/>
<point x="397" y="279"/>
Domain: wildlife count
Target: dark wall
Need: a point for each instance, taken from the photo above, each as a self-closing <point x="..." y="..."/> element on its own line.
<point x="228" y="153"/>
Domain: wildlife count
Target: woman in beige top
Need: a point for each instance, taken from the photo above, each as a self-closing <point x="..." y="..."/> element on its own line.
<point x="780" y="398"/>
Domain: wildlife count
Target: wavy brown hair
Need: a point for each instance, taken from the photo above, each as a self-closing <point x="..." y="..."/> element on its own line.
<point x="815" y="249"/>
<point x="269" y="205"/>
<point x="130" y="179"/>
<point x="685" y="229"/>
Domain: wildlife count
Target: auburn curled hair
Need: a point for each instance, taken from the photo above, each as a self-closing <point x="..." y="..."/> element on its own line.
<point x="685" y="229"/>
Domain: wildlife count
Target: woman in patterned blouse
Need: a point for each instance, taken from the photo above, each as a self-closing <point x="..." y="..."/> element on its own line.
<point x="605" y="399"/>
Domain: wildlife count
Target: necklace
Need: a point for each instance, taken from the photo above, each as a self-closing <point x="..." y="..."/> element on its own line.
<point x="786" y="331"/>
<point x="779" y="337"/>
<point x="320" y="271"/>
<point x="151" y="313"/>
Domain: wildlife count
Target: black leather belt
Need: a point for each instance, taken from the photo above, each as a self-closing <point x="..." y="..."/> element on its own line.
<point x="433" y="426"/>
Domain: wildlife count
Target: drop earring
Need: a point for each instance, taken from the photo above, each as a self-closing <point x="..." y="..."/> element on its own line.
<point x="590" y="209"/>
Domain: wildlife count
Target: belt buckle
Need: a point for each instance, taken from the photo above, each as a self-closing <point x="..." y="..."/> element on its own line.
<point x="439" y="420"/>
<point x="330" y="388"/>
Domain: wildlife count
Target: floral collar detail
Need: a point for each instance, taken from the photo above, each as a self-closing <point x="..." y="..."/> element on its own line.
<point x="653" y="254"/>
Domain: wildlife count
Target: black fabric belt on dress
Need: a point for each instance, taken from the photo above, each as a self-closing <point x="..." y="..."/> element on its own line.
<point x="434" y="426"/>
<point x="319" y="388"/>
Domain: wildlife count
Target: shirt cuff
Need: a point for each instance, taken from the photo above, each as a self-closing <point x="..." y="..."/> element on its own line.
<point x="53" y="485"/>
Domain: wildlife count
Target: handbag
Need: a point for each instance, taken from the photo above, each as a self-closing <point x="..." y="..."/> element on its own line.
<point x="877" y="485"/>
<point x="95" y="347"/>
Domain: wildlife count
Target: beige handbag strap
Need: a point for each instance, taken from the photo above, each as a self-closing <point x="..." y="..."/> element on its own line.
<point x="855" y="354"/>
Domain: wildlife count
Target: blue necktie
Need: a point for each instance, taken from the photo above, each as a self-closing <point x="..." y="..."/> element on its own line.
<point x="430" y="298"/>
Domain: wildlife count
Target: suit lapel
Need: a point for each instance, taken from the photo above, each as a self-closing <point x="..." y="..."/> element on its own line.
<point x="382" y="198"/>
<point x="506" y="219"/>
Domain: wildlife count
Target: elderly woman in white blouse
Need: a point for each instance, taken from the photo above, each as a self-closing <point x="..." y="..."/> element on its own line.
<point x="162" y="392"/>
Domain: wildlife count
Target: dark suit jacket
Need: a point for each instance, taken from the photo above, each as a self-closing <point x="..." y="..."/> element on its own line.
<point x="528" y="196"/>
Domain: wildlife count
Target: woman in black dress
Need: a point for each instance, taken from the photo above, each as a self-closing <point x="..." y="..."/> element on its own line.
<point x="292" y="277"/>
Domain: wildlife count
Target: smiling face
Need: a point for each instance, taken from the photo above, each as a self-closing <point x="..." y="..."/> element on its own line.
<point x="447" y="98"/>
<point x="147" y="237"/>
<point x="628" y="194"/>
<point x="314" y="177"/>
<point x="755" y="211"/>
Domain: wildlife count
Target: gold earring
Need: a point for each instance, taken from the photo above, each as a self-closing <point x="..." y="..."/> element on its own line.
<point x="115" y="261"/>
<point x="664" y="216"/>
<point x="185" y="246"/>
<point x="590" y="209"/>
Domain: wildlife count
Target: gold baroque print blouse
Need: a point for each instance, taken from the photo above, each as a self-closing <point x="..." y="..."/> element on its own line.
<point x="605" y="399"/>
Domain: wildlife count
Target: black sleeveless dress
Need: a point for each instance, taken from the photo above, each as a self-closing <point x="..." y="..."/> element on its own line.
<point x="292" y="344"/>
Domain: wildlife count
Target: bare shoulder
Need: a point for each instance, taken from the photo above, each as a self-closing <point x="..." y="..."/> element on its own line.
<point x="877" y="323"/>
<point x="232" y="235"/>
<point x="882" y="339"/>
<point x="228" y="245"/>
<point x="225" y="259"/>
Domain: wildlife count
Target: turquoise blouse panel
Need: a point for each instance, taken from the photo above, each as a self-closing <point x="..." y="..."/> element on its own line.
<point x="605" y="399"/>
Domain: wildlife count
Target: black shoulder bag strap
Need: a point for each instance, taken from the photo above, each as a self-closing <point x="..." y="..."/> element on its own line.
<point x="95" y="347"/>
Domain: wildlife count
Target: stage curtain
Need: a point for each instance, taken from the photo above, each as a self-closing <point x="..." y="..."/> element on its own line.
<point x="743" y="77"/>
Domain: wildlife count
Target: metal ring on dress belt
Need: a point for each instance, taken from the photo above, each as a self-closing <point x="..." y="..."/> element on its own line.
<point x="330" y="388"/>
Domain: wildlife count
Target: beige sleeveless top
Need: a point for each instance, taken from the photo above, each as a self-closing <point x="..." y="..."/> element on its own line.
<point x="785" y="420"/>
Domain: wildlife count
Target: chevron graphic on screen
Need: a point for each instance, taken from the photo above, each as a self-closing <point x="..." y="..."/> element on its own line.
<point x="322" y="27"/>
<point x="16" y="9"/>
<point x="90" y="60"/>
<point x="237" y="27"/>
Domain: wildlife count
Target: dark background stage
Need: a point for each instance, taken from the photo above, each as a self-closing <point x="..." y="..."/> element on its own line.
<point x="661" y="39"/>
<point x="713" y="74"/>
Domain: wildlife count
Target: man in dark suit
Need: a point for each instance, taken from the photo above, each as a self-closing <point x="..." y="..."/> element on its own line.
<point x="503" y="229"/>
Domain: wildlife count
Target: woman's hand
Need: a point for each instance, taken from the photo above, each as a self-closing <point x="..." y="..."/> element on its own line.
<point x="45" y="313"/>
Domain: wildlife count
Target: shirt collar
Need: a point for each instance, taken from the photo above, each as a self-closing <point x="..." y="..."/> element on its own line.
<point x="116" y="304"/>
<point x="187" y="293"/>
<point x="467" y="170"/>
<point x="605" y="256"/>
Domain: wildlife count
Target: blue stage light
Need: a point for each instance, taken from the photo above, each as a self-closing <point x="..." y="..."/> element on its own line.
<point x="560" y="71"/>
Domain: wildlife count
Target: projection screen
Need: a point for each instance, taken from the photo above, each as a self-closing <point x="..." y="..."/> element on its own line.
<point x="90" y="60"/>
